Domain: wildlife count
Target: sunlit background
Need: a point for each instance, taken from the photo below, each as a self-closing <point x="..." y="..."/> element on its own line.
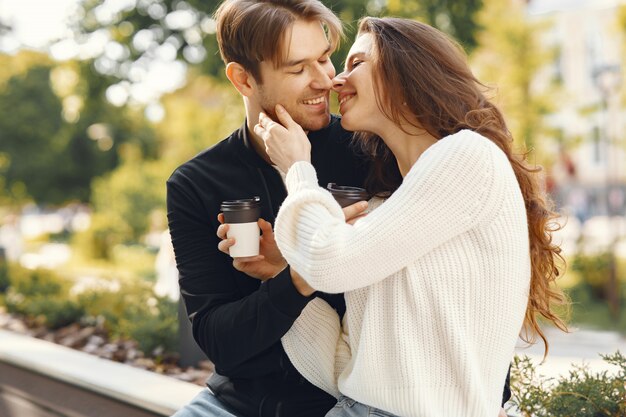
<point x="101" y="100"/>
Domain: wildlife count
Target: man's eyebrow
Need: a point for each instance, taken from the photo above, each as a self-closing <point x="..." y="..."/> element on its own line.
<point x="295" y="62"/>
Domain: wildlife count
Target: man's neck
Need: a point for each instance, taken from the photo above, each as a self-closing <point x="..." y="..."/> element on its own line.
<point x="257" y="144"/>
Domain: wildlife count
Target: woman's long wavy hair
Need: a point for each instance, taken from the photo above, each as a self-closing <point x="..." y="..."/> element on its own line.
<point x="422" y="75"/>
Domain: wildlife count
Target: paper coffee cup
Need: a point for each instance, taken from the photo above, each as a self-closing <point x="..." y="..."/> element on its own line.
<point x="347" y="195"/>
<point x="241" y="217"/>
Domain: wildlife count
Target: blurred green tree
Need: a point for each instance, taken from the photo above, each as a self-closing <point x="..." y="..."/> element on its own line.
<point x="57" y="132"/>
<point x="130" y="200"/>
<point x="455" y="17"/>
<point x="621" y="22"/>
<point x="513" y="56"/>
<point x="143" y="30"/>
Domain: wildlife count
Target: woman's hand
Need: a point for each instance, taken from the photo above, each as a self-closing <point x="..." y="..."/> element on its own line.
<point x="355" y="211"/>
<point x="264" y="266"/>
<point x="285" y="142"/>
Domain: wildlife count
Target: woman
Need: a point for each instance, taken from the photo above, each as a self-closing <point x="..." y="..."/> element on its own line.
<point x="442" y="275"/>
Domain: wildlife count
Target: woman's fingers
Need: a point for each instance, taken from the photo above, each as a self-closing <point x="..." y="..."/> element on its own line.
<point x="285" y="118"/>
<point x="354" y="219"/>
<point x="354" y="211"/>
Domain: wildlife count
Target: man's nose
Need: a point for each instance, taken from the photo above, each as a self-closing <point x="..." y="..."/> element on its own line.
<point x="323" y="77"/>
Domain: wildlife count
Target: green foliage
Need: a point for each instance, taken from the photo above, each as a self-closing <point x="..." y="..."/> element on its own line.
<point x="130" y="193"/>
<point x="197" y="116"/>
<point x="36" y="282"/>
<point x="29" y="138"/>
<point x="154" y="328"/>
<point x="105" y="232"/>
<point x="138" y="260"/>
<point x="115" y="300"/>
<point x="42" y="296"/>
<point x="53" y="313"/>
<point x="49" y="148"/>
<point x="197" y="44"/>
<point x="133" y="311"/>
<point x="4" y="274"/>
<point x="510" y="55"/>
<point x="123" y="203"/>
<point x="581" y="393"/>
<point x="594" y="271"/>
<point x="457" y="18"/>
<point x="128" y="310"/>
<point x="595" y="303"/>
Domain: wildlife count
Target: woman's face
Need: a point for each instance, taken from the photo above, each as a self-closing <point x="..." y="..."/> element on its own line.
<point x="355" y="87"/>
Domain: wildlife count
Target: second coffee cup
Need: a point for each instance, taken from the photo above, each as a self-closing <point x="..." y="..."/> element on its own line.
<point x="242" y="218"/>
<point x="347" y="195"/>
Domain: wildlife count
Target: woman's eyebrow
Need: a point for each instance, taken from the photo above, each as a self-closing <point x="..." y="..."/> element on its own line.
<point x="352" y="56"/>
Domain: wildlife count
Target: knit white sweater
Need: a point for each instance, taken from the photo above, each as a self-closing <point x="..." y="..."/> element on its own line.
<point x="436" y="282"/>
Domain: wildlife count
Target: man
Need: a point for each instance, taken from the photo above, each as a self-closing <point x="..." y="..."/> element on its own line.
<point x="275" y="51"/>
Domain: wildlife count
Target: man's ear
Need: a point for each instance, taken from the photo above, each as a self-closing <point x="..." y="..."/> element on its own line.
<point x="241" y="79"/>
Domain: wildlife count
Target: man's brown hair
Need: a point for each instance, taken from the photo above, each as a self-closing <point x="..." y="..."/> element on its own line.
<point x="251" y="31"/>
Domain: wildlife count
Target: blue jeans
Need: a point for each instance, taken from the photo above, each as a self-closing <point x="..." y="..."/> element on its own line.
<point x="205" y="404"/>
<point x="347" y="407"/>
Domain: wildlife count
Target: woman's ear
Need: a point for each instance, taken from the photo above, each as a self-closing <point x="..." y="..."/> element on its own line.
<point x="241" y="79"/>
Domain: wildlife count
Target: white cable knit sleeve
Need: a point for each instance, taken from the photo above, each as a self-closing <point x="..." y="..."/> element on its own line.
<point x="451" y="188"/>
<point x="315" y="346"/>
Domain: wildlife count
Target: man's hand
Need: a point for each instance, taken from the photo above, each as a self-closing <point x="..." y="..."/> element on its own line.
<point x="264" y="266"/>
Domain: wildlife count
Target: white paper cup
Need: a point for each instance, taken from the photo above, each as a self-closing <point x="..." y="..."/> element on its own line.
<point x="241" y="217"/>
<point x="246" y="239"/>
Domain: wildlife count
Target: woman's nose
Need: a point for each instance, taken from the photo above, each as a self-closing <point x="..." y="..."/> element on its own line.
<point x="339" y="81"/>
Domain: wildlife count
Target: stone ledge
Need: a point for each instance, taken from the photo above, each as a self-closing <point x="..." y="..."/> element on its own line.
<point x="142" y="389"/>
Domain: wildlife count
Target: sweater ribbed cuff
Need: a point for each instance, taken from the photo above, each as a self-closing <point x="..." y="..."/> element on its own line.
<point x="301" y="175"/>
<point x="284" y="294"/>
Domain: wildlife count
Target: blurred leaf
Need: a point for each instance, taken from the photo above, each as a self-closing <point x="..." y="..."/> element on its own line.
<point x="47" y="152"/>
<point x="512" y="57"/>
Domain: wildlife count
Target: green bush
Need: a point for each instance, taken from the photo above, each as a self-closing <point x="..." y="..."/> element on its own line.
<point x="594" y="271"/>
<point x="128" y="310"/>
<point x="28" y="287"/>
<point x="135" y="259"/>
<point x="118" y="301"/>
<point x="97" y="242"/>
<point x="581" y="393"/>
<point x="4" y="275"/>
<point x="54" y="313"/>
<point x="123" y="201"/>
<point x="33" y="282"/>
<point x="154" y="328"/>
<point x="134" y="312"/>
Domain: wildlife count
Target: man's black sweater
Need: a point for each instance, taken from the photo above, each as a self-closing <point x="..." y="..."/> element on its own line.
<point x="237" y="320"/>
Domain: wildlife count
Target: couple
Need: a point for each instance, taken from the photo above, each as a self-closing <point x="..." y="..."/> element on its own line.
<point x="453" y="260"/>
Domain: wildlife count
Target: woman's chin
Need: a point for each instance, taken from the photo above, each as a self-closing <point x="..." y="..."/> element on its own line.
<point x="346" y="124"/>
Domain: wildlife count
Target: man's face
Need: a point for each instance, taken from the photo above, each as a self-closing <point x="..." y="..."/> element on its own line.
<point x="302" y="82"/>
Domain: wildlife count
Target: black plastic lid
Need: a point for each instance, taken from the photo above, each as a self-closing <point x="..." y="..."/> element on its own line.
<point x="347" y="190"/>
<point x="243" y="204"/>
